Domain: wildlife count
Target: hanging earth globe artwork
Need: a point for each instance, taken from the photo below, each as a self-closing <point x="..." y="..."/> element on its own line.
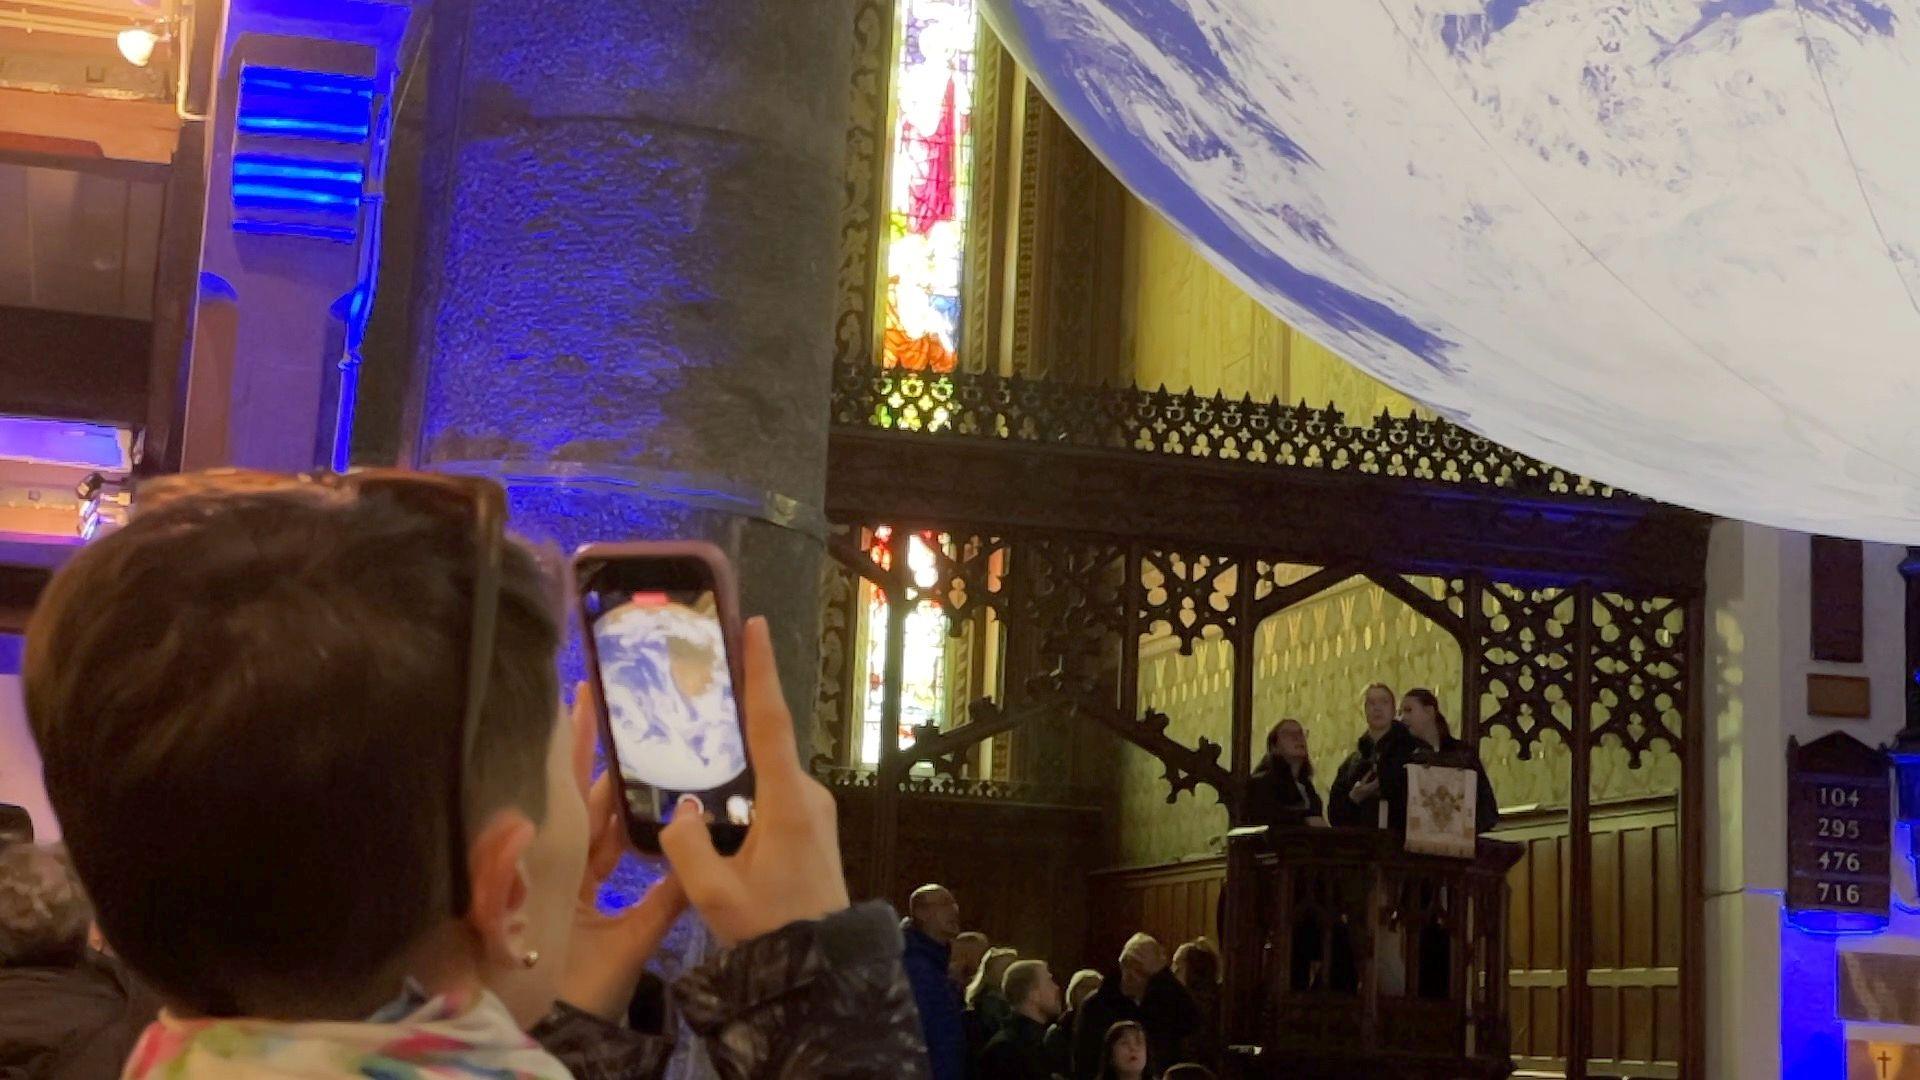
<point x="1671" y="244"/>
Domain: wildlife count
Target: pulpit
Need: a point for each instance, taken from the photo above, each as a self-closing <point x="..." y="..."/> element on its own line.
<point x="1349" y="957"/>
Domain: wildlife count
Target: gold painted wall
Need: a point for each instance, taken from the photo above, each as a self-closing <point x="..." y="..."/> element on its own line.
<point x="1186" y="326"/>
<point x="1312" y="663"/>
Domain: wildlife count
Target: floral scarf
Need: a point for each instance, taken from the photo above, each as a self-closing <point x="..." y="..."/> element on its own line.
<point x="435" y="1039"/>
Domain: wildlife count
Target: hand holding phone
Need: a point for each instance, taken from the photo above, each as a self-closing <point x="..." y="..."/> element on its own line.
<point x="1367" y="787"/>
<point x="789" y="868"/>
<point x="661" y="628"/>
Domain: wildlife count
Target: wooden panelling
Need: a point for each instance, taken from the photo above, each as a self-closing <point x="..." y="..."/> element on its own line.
<point x="1842" y="697"/>
<point x="1175" y="902"/>
<point x="1018" y="870"/>
<point x="1670" y="914"/>
<point x="1636" y="940"/>
<point x="1607" y="884"/>
<point x="1838" y="584"/>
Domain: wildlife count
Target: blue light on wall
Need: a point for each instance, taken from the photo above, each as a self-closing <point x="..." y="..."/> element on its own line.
<point x="1813" y="1038"/>
<point x="299" y="166"/>
<point x="309" y="153"/>
<point x="305" y="104"/>
<point x="1836" y="923"/>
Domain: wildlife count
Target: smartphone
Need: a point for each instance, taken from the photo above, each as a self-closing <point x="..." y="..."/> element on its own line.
<point x="661" y="623"/>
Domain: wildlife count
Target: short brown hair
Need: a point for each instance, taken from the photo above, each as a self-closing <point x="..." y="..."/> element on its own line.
<point x="1020" y="980"/>
<point x="245" y="702"/>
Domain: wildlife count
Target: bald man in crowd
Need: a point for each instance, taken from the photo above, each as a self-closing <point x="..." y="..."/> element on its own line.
<point x="1141" y="988"/>
<point x="932" y="922"/>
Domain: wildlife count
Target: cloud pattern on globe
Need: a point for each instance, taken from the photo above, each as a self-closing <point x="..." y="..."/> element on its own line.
<point x="669" y="697"/>
<point x="1670" y="244"/>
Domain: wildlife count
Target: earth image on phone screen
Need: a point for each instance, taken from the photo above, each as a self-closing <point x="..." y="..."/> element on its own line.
<point x="670" y="700"/>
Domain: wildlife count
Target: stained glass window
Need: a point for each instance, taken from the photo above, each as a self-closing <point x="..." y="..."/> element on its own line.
<point x="927" y="208"/>
<point x="923" y="676"/>
<point x="927" y="219"/>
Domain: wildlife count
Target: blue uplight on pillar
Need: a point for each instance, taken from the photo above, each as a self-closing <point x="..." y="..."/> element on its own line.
<point x="626" y="298"/>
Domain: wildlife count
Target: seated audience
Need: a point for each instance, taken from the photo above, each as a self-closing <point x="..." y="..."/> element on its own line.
<point x="1197" y="965"/>
<point x="1060" y="1035"/>
<point x="969" y="948"/>
<point x="337" y="849"/>
<point x="1281" y="791"/>
<point x="65" y="1010"/>
<point x="931" y="927"/>
<point x="1018" y="1050"/>
<point x="1355" y="796"/>
<point x="1123" y="1053"/>
<point x="1144" y="991"/>
<point x="1432" y="744"/>
<point x="987" y="1007"/>
<point x="16" y="825"/>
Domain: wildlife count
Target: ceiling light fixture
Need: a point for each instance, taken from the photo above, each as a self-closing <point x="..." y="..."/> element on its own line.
<point x="137" y="45"/>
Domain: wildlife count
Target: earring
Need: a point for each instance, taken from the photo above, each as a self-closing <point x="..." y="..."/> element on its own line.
<point x="530" y="958"/>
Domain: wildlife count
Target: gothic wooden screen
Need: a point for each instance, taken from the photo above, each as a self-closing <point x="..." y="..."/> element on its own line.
<point x="1602" y="912"/>
<point x="1069" y="521"/>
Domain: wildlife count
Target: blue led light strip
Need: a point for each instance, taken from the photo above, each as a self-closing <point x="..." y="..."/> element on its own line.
<point x="261" y="167"/>
<point x="285" y="102"/>
<point x="264" y="227"/>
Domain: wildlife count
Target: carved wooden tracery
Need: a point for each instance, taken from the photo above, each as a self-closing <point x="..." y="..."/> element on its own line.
<point x="1076" y="608"/>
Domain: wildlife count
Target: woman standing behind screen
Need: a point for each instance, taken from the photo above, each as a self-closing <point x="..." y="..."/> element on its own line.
<point x="1432" y="744"/>
<point x="1281" y="791"/>
<point x="1355" y="796"/>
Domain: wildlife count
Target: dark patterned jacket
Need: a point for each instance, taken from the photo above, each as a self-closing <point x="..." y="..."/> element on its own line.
<point x="823" y="999"/>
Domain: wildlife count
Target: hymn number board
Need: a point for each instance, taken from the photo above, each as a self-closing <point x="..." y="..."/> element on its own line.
<point x="1839" y="826"/>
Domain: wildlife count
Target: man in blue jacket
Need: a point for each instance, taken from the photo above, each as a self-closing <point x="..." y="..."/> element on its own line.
<point x="932" y="922"/>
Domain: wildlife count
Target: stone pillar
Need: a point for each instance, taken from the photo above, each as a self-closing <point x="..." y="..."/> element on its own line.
<point x="1770" y="986"/>
<point x="626" y="287"/>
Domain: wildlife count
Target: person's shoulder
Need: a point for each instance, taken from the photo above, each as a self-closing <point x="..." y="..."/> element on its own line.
<point x="999" y="1046"/>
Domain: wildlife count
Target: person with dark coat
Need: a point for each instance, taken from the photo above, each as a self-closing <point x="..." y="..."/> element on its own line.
<point x="1018" y="1050"/>
<point x="1432" y="743"/>
<point x="1197" y="965"/>
<point x="987" y="1008"/>
<point x="66" y="1011"/>
<point x="1142" y="990"/>
<point x="932" y="922"/>
<point x="1060" y="1035"/>
<point x="1281" y="791"/>
<point x="1354" y="799"/>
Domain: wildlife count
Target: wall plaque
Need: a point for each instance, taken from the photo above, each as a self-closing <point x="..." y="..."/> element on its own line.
<point x="1839" y="834"/>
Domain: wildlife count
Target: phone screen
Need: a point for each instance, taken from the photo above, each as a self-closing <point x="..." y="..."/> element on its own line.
<point x="661" y="653"/>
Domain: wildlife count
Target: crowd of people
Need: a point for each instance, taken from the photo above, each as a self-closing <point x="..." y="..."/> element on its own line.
<point x="1370" y="788"/>
<point x="989" y="1013"/>
<point x="324" y="817"/>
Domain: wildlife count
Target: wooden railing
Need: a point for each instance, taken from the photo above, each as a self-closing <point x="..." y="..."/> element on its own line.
<point x="1348" y="957"/>
<point x="1192" y="425"/>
